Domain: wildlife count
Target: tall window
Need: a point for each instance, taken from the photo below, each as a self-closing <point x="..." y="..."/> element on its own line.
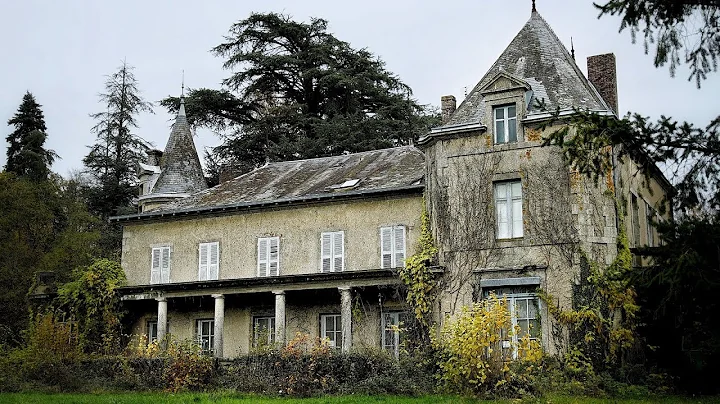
<point x="332" y="251"/>
<point x="331" y="328"/>
<point x="151" y="331"/>
<point x="505" y="124"/>
<point x="160" y="267"/>
<point x="209" y="261"/>
<point x="392" y="324"/>
<point x="263" y="331"/>
<point x="649" y="217"/>
<point x="524" y="309"/>
<point x="508" y="205"/>
<point x="206" y="335"/>
<point x="392" y="243"/>
<point x="268" y="256"/>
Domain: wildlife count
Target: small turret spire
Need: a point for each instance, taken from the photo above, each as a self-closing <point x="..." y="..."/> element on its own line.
<point x="181" y="111"/>
<point x="572" y="49"/>
<point x="534" y="10"/>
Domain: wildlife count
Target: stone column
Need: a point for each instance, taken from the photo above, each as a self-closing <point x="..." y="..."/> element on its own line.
<point x="162" y="321"/>
<point x="219" y="325"/>
<point x="279" y="317"/>
<point x="346" y="317"/>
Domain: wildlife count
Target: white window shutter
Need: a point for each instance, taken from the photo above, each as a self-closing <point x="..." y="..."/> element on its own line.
<point x="386" y="245"/>
<point x="165" y="265"/>
<point x="155" y="266"/>
<point x="326" y="252"/>
<point x="203" y="262"/>
<point x="399" y="246"/>
<point x="517" y="215"/>
<point x="338" y="253"/>
<point x="262" y="257"/>
<point x="214" y="267"/>
<point x="274" y="256"/>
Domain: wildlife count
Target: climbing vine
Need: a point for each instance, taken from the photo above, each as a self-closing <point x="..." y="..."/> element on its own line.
<point x="416" y="274"/>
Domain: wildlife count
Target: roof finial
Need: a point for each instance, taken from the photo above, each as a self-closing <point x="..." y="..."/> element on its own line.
<point x="181" y="111"/>
<point x="182" y="90"/>
<point x="534" y="10"/>
<point x="572" y="49"/>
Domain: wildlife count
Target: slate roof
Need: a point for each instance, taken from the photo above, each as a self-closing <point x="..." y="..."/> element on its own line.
<point x="375" y="171"/>
<point x="539" y="58"/>
<point x="181" y="172"/>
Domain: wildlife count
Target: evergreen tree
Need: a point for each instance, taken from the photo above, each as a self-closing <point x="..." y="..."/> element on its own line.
<point x="113" y="158"/>
<point x="299" y="92"/>
<point x="26" y="154"/>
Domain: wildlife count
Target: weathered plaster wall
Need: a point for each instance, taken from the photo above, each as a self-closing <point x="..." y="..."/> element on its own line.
<point x="299" y="230"/>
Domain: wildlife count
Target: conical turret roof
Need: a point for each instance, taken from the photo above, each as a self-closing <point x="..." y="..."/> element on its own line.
<point x="539" y="58"/>
<point x="181" y="172"/>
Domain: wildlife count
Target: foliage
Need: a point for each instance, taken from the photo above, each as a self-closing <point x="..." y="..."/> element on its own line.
<point x="416" y="273"/>
<point x="672" y="26"/>
<point x="113" y="158"/>
<point x="26" y="155"/>
<point x="91" y="300"/>
<point x="603" y="319"/>
<point x="472" y="358"/>
<point x="189" y="368"/>
<point x="297" y="91"/>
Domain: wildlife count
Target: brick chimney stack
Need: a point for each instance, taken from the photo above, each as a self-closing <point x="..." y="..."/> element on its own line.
<point x="602" y="74"/>
<point x="447" y="106"/>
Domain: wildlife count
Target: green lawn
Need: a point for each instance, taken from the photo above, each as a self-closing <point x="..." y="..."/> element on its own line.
<point x="228" y="398"/>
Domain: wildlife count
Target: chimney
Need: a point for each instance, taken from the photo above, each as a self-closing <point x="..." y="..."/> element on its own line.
<point x="153" y="157"/>
<point x="447" y="106"/>
<point x="602" y="74"/>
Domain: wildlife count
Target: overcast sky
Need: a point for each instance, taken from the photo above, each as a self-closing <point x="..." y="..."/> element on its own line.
<point x="62" y="50"/>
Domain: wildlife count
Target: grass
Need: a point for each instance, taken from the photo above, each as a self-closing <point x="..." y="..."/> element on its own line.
<point x="231" y="398"/>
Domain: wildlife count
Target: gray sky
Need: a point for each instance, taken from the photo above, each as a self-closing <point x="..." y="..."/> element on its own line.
<point x="62" y="50"/>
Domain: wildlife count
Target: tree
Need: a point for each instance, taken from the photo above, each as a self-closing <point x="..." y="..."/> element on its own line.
<point x="114" y="156"/>
<point x="26" y="155"/>
<point x="299" y="92"/>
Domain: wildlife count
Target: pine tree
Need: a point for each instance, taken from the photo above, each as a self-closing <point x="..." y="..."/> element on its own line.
<point x="113" y="158"/>
<point x="26" y="154"/>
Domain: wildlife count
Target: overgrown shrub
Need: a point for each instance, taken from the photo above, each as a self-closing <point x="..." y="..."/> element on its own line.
<point x="476" y="351"/>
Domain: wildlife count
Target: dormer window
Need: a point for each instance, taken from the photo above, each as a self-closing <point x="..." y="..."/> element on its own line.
<point x="505" y="124"/>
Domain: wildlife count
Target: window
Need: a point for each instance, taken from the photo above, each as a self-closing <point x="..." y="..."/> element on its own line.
<point x="524" y="313"/>
<point x="263" y="331"/>
<point x="508" y="204"/>
<point x="268" y="256"/>
<point x="649" y="217"/>
<point x="209" y="261"/>
<point x="331" y="328"/>
<point x="392" y="243"/>
<point x="160" y="267"/>
<point x="152" y="331"/>
<point x="635" y="210"/>
<point x="332" y="251"/>
<point x="206" y="335"/>
<point x="392" y="323"/>
<point x="505" y="124"/>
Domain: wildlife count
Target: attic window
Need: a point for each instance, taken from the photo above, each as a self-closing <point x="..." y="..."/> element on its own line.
<point x="347" y="184"/>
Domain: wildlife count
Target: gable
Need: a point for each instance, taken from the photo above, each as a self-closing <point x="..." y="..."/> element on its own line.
<point x="502" y="82"/>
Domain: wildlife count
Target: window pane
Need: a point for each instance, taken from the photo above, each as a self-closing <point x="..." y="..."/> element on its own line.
<point x="499" y="113"/>
<point x="534" y="328"/>
<point x="511" y="111"/>
<point x="521" y="308"/>
<point x="532" y="308"/>
<point x="512" y="130"/>
<point x="516" y="189"/>
<point x="500" y="191"/>
<point x="523" y="328"/>
<point x="499" y="132"/>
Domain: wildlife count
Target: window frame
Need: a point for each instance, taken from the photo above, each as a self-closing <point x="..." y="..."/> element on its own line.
<point x="393" y="251"/>
<point x="513" y="231"/>
<point x="649" y="228"/>
<point x="332" y="254"/>
<point x="149" y="324"/>
<point x="392" y="347"/>
<point x="337" y="340"/>
<point x="162" y="271"/>
<point x="507" y="121"/>
<point x="256" y="331"/>
<point x="209" y="274"/>
<point x="268" y="261"/>
<point x="200" y="338"/>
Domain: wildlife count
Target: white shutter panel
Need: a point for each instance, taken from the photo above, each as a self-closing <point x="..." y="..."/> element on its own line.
<point x="214" y="267"/>
<point x="386" y="247"/>
<point x="274" y="256"/>
<point x="399" y="246"/>
<point x="517" y="216"/>
<point x="338" y="253"/>
<point x="203" y="262"/>
<point x="502" y="219"/>
<point x="165" y="265"/>
<point x="155" y="266"/>
<point x="326" y="252"/>
<point x="262" y="257"/>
